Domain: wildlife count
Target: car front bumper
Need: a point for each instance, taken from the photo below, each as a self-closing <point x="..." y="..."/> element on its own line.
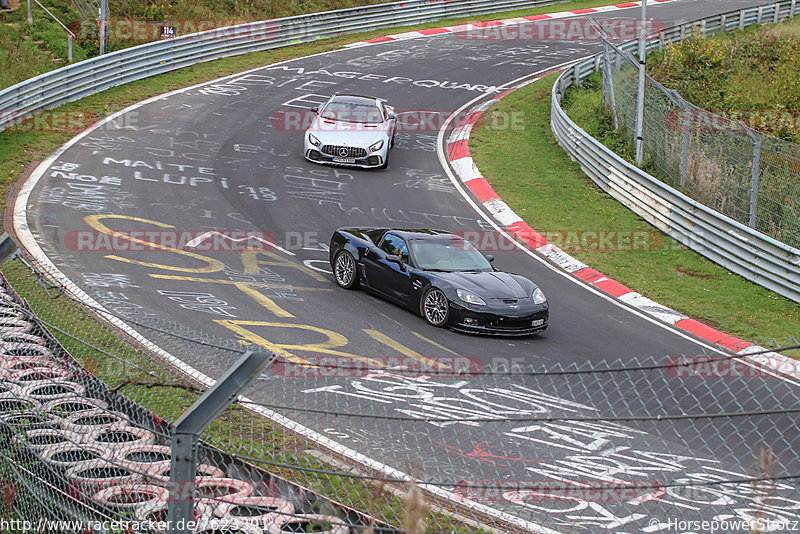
<point x="528" y="320"/>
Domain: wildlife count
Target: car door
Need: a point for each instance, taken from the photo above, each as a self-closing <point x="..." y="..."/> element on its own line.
<point x="390" y="278"/>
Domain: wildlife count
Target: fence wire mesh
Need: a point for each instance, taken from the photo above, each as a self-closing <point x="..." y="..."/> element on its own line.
<point x="85" y="418"/>
<point x="747" y="175"/>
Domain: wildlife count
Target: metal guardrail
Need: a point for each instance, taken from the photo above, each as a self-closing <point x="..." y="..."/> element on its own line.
<point x="740" y="249"/>
<point x="97" y="74"/>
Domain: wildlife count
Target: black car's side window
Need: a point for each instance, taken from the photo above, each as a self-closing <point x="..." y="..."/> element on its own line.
<point x="395" y="245"/>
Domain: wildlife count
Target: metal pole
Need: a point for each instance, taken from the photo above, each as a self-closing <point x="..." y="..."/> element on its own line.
<point x="187" y="428"/>
<point x="640" y="96"/>
<point x="755" y="175"/>
<point x="69" y="48"/>
<point x="7" y="246"/>
<point x="686" y="126"/>
<point x="103" y="13"/>
<point x="30" y="11"/>
<point x="610" y="75"/>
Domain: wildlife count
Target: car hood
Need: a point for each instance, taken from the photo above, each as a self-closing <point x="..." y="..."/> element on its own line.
<point x="347" y="133"/>
<point x="495" y="284"/>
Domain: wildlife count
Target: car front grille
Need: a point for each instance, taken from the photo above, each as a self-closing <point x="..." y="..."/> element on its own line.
<point x="339" y="151"/>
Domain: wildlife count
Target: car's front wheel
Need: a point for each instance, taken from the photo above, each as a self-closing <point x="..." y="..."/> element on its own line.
<point x="345" y="270"/>
<point x="435" y="307"/>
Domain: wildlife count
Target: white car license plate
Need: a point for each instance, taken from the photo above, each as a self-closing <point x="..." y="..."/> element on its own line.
<point x="537" y="322"/>
<point x="344" y="160"/>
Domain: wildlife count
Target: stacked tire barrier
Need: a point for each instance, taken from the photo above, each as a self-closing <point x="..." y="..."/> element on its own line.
<point x="737" y="247"/>
<point x="88" y="455"/>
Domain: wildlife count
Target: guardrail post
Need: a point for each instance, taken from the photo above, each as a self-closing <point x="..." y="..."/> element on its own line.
<point x="760" y="14"/>
<point x="723" y="20"/>
<point x="791" y="8"/>
<point x="186" y="431"/>
<point x="777" y="12"/>
<point x="741" y="19"/>
<point x="755" y="174"/>
<point x="7" y="246"/>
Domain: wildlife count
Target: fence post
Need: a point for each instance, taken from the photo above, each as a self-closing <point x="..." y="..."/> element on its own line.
<point x="777" y="13"/>
<point x="186" y="431"/>
<point x="685" y="129"/>
<point x="791" y="8"/>
<point x="723" y="21"/>
<point x="69" y="48"/>
<point x="755" y="175"/>
<point x="741" y="19"/>
<point x="760" y="14"/>
<point x="609" y="75"/>
<point x="30" y="11"/>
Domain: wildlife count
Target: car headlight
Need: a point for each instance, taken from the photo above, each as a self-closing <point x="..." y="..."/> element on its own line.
<point x="538" y="297"/>
<point x="470" y="297"/>
<point x="376" y="146"/>
<point x="313" y="140"/>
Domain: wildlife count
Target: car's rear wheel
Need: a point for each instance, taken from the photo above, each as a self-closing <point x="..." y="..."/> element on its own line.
<point x="435" y="307"/>
<point x="345" y="270"/>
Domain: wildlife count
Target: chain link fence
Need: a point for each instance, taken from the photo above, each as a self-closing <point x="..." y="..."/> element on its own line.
<point x="749" y="176"/>
<point x="86" y="417"/>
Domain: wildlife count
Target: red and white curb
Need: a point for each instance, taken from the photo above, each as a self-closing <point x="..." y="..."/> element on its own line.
<point x="504" y="22"/>
<point x="467" y="172"/>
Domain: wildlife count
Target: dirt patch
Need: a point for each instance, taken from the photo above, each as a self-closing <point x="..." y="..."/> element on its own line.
<point x="13" y="5"/>
<point x="695" y="274"/>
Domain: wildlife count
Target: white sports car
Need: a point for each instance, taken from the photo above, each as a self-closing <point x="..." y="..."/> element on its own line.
<point x="351" y="130"/>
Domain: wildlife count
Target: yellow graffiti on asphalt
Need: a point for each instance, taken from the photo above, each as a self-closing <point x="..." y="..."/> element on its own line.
<point x="334" y="340"/>
<point x="402" y="349"/>
<point x="251" y="263"/>
<point x="212" y="265"/>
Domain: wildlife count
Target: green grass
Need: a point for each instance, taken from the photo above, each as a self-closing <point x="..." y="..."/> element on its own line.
<point x="551" y="192"/>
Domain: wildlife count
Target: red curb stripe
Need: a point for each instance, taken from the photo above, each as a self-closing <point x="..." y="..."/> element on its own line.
<point x="628" y="4"/>
<point x="482" y="190"/>
<point x="485" y="24"/>
<point x="457" y="150"/>
<point x="538" y="17"/>
<point x="434" y="31"/>
<point x="596" y="278"/>
<point x="523" y="231"/>
<point x="504" y="93"/>
<point x="379" y="40"/>
<point x="583" y="11"/>
<point x="470" y="119"/>
<point x="712" y="334"/>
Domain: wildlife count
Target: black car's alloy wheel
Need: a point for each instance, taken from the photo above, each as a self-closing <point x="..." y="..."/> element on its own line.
<point x="345" y="270"/>
<point x="435" y="307"/>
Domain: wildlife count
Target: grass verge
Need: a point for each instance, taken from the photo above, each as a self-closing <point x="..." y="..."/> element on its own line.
<point x="551" y="192"/>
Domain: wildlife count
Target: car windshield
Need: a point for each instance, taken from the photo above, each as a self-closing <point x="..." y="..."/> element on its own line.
<point x="348" y="111"/>
<point x="448" y="254"/>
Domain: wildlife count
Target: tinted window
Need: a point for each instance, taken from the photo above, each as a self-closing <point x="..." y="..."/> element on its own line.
<point x="348" y="111"/>
<point x="448" y="254"/>
<point x="395" y="245"/>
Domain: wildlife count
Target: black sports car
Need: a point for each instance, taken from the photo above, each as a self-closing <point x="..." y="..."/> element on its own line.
<point x="439" y="275"/>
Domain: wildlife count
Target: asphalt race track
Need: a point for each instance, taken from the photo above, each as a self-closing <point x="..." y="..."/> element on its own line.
<point x="217" y="157"/>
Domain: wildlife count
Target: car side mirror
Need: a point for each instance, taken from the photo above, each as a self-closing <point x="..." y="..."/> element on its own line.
<point x="396" y="259"/>
<point x="489" y="258"/>
<point x="392" y="116"/>
<point x="315" y="109"/>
